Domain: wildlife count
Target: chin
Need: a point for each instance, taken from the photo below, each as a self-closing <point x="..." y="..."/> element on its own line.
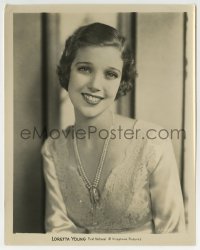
<point x="91" y="112"/>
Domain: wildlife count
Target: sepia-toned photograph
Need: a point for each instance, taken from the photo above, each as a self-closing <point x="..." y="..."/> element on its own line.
<point x="100" y="125"/>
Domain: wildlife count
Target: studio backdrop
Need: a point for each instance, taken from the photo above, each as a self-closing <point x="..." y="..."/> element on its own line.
<point x="160" y="44"/>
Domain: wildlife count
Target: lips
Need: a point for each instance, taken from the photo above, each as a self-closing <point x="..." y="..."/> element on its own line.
<point x="92" y="99"/>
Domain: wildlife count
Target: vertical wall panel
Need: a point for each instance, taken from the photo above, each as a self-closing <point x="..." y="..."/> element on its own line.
<point x="190" y="126"/>
<point x="28" y="180"/>
<point x="159" y="87"/>
<point x="127" y="27"/>
<point x="50" y="41"/>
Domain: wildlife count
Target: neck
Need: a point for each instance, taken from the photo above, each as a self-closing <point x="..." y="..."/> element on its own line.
<point x="102" y="121"/>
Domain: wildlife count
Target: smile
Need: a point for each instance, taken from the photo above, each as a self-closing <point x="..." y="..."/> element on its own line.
<point x="91" y="99"/>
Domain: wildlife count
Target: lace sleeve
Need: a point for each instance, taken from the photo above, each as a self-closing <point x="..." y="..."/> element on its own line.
<point x="166" y="195"/>
<point x="56" y="219"/>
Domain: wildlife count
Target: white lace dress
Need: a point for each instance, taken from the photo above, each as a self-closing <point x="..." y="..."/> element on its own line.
<point x="142" y="193"/>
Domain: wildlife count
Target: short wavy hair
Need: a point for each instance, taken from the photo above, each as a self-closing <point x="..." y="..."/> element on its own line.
<point x="97" y="34"/>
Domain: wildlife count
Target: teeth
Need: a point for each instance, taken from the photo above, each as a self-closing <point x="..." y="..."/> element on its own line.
<point x="91" y="99"/>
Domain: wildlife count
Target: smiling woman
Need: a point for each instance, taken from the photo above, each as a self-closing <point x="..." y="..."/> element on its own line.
<point x="94" y="79"/>
<point x="107" y="184"/>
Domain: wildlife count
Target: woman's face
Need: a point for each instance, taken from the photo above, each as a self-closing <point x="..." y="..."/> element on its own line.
<point x="94" y="79"/>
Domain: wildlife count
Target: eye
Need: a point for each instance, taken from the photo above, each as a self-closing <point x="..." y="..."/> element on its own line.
<point x="84" y="69"/>
<point x="111" y="75"/>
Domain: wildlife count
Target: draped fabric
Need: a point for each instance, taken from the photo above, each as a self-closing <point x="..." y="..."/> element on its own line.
<point x="141" y="194"/>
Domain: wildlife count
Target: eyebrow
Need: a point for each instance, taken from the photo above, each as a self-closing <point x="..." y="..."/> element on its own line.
<point x="115" y="69"/>
<point x="89" y="63"/>
<point x="83" y="63"/>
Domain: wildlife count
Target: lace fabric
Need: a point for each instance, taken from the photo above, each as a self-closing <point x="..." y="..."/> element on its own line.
<point x="127" y="201"/>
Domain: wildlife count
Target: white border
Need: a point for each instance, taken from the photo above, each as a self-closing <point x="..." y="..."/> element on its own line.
<point x="2" y="4"/>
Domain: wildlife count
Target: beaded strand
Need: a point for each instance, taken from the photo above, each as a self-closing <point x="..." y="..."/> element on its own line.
<point x="93" y="187"/>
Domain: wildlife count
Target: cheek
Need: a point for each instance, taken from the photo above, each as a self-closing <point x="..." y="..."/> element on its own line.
<point x="112" y="89"/>
<point x="73" y="82"/>
<point x="77" y="81"/>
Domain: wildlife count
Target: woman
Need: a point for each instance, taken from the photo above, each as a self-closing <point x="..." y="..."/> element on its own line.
<point x="109" y="174"/>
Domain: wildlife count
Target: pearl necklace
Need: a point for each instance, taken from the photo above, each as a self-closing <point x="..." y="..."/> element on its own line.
<point x="93" y="187"/>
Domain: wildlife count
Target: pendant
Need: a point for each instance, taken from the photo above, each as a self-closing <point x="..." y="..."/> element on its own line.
<point x="94" y="195"/>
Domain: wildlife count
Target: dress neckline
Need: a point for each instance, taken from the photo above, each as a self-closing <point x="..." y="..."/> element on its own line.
<point x="112" y="172"/>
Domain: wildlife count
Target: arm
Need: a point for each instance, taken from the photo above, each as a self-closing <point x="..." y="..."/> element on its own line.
<point x="166" y="195"/>
<point x="56" y="219"/>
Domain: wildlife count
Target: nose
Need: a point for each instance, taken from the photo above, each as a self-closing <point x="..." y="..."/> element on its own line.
<point x="93" y="89"/>
<point x="95" y="83"/>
